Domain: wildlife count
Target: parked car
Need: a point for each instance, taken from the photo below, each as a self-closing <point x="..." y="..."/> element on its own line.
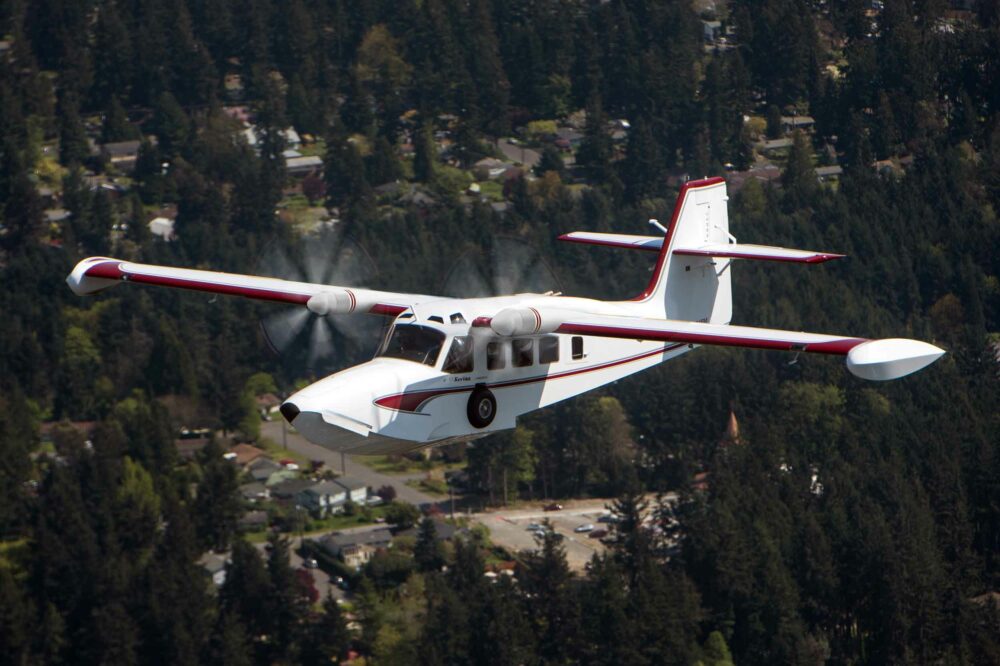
<point x="598" y="534"/>
<point x="535" y="527"/>
<point x="310" y="563"/>
<point x="586" y="527"/>
<point x="555" y="506"/>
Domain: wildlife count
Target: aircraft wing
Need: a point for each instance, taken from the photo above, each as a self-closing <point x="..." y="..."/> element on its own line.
<point x="98" y="273"/>
<point x="868" y="359"/>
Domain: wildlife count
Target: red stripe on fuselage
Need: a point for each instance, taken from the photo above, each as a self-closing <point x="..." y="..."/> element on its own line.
<point x="412" y="401"/>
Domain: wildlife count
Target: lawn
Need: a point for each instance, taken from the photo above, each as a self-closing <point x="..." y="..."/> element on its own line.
<point x="277" y="452"/>
<point x="434" y="487"/>
<point x="402" y="465"/>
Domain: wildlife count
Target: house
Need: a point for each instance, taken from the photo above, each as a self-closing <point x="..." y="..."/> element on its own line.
<point x="122" y="155"/>
<point x="189" y="443"/>
<point x="443" y="530"/>
<point x="567" y="138"/>
<point x="281" y="476"/>
<point x="516" y="152"/>
<point x="357" y="490"/>
<point x="303" y="166"/>
<point x="56" y="215"/>
<point x="291" y="137"/>
<point x="263" y="468"/>
<point x="84" y="428"/>
<point x="771" y="145"/>
<point x="490" y="168"/>
<point x="252" y="521"/>
<point x="792" y="123"/>
<point x="215" y="566"/>
<point x="329" y="497"/>
<point x="246" y="454"/>
<point x="357" y="547"/>
<point x="764" y="174"/>
<point x="711" y="30"/>
<point x="418" y="198"/>
<point x="287" y="490"/>
<point x="323" y="498"/>
<point x="254" y="491"/>
<point x="266" y="403"/>
<point x="826" y="173"/>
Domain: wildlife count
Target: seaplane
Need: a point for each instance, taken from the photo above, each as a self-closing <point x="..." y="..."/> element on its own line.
<point x="457" y="369"/>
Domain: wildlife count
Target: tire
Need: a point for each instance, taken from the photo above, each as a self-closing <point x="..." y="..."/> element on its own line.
<point x="482" y="407"/>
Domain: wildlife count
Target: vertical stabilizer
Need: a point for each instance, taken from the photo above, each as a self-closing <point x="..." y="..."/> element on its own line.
<point x="693" y="288"/>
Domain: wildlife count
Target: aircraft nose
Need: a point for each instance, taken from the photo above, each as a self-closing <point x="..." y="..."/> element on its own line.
<point x="289" y="411"/>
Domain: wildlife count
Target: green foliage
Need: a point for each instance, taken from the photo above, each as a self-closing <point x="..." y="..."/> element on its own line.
<point x="402" y="515"/>
<point x="260" y="383"/>
<point x="217" y="505"/>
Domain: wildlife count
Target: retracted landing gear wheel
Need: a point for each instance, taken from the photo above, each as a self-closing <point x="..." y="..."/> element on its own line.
<point x="482" y="407"/>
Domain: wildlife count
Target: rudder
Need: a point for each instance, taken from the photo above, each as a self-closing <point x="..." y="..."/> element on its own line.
<point x="693" y="288"/>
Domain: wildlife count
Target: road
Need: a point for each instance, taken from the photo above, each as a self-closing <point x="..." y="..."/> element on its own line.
<point x="371" y="478"/>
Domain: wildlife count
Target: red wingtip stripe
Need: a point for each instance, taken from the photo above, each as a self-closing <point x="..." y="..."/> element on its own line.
<point x="113" y="270"/>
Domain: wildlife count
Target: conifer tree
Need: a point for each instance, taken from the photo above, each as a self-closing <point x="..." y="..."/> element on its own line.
<point x="425" y="155"/>
<point x="327" y="638"/>
<point x="427" y="551"/>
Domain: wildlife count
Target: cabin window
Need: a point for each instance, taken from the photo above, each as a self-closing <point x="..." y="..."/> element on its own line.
<point x="548" y="350"/>
<point x="460" y="357"/>
<point x="577" y="347"/>
<point x="410" y="342"/>
<point x="494" y="356"/>
<point x="436" y="318"/>
<point x="457" y="318"/>
<point x="522" y="352"/>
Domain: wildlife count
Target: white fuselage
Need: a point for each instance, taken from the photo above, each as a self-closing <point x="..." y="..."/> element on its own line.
<point x="416" y="390"/>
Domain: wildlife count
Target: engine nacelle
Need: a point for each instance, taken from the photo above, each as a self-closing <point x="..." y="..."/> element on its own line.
<point x="334" y="301"/>
<point x="524" y="321"/>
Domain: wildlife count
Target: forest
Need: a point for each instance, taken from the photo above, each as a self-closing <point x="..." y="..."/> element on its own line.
<point x="849" y="522"/>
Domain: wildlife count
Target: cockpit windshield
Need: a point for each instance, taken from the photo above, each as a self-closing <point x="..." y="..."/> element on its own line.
<point x="414" y="343"/>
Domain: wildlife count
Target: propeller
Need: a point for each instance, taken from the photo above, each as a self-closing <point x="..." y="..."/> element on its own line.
<point x="506" y="266"/>
<point x="328" y="257"/>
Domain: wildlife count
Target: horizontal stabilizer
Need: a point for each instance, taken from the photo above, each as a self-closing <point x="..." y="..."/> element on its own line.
<point x="650" y="243"/>
<point x="760" y="252"/>
<point x="730" y="250"/>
